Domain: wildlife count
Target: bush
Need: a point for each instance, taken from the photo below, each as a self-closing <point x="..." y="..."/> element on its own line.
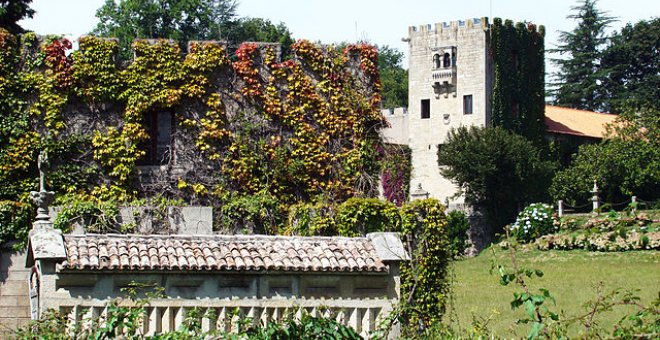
<point x="536" y="220"/>
<point x="256" y="214"/>
<point x="457" y="227"/>
<point x="495" y="169"/>
<point x="308" y="219"/>
<point x="360" y="216"/>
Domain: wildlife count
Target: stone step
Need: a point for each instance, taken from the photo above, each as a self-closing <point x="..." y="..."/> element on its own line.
<point x="14" y="287"/>
<point x="15" y="274"/>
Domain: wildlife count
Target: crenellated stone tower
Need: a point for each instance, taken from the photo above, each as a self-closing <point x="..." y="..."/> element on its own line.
<point x="449" y="86"/>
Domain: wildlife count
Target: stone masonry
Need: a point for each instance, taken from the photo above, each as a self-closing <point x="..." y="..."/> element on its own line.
<point x="14" y="301"/>
<point x="449" y="65"/>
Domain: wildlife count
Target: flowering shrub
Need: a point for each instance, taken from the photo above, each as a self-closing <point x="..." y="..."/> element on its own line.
<point x="536" y="220"/>
<point x="608" y="241"/>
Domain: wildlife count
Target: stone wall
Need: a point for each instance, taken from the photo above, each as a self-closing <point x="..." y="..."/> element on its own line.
<point x="14" y="300"/>
<point x="398" y="131"/>
<point x="185" y="220"/>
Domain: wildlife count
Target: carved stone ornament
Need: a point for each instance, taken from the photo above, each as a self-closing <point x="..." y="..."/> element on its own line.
<point x="42" y="198"/>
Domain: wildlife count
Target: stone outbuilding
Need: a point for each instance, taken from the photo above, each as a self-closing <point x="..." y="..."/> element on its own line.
<point x="230" y="277"/>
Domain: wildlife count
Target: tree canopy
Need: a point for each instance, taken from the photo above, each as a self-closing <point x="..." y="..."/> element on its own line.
<point x="393" y="77"/>
<point x="258" y="29"/>
<point x="12" y="11"/>
<point x="181" y="20"/>
<point x="626" y="164"/>
<point x="577" y="81"/>
<point x="631" y="64"/>
<point x="494" y="169"/>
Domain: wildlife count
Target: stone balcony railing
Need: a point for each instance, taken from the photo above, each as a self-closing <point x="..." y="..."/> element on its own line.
<point x="443" y="74"/>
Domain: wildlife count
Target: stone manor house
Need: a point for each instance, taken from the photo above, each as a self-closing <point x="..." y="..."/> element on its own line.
<point x="264" y="278"/>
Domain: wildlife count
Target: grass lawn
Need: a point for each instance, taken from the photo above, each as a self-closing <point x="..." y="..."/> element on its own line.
<point x="570" y="276"/>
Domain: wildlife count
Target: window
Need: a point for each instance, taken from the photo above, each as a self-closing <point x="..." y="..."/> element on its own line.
<point x="446" y="61"/>
<point x="515" y="109"/>
<point x="158" y="148"/>
<point x="467" y="104"/>
<point x="436" y="61"/>
<point x="426" y="108"/>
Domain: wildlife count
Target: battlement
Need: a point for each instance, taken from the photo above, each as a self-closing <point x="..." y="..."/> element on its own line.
<point x="394" y="112"/>
<point x="468" y="24"/>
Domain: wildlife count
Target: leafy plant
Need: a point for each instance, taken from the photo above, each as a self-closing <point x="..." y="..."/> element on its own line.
<point x="457" y="228"/>
<point x="424" y="279"/>
<point x="360" y="216"/>
<point x="535" y="220"/>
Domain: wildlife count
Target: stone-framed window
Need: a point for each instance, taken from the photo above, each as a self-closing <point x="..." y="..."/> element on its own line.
<point x="467" y="104"/>
<point x="436" y="61"/>
<point x="158" y="148"/>
<point x="446" y="60"/>
<point x="426" y="108"/>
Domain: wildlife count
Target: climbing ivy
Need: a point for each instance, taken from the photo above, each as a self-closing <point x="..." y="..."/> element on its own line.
<point x="424" y="279"/>
<point x="297" y="130"/>
<point x="518" y="99"/>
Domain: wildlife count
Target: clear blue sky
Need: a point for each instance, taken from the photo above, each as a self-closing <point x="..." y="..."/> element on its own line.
<point x="382" y="22"/>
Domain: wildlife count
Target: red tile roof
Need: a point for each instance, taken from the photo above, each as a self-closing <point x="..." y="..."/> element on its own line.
<point x="220" y="253"/>
<point x="565" y="121"/>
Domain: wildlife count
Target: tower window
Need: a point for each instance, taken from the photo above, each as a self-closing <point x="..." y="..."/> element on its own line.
<point x="158" y="148"/>
<point x="467" y="104"/>
<point x="446" y="60"/>
<point x="436" y="61"/>
<point x="426" y="108"/>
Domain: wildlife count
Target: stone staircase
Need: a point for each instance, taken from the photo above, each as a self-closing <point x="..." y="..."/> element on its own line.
<point x="14" y="300"/>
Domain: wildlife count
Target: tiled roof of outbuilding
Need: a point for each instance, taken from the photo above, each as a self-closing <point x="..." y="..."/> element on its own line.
<point x="566" y="121"/>
<point x="220" y="253"/>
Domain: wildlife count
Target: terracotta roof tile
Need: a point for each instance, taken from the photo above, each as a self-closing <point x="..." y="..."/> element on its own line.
<point x="566" y="121"/>
<point x="220" y="253"/>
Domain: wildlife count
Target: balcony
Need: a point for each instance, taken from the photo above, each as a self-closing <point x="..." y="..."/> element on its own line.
<point x="443" y="74"/>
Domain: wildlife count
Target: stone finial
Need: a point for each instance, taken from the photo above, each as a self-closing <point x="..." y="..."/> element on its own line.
<point x="595" y="199"/>
<point x="42" y="198"/>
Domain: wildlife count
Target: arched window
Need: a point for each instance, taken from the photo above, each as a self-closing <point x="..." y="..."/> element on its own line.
<point x="436" y="61"/>
<point x="446" y="60"/>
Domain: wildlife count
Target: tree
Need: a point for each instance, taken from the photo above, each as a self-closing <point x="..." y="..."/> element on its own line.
<point x="182" y="20"/>
<point x="494" y="169"/>
<point x="12" y="11"/>
<point x="632" y="65"/>
<point x="393" y="77"/>
<point x="258" y="29"/>
<point x="626" y="164"/>
<point x="577" y="84"/>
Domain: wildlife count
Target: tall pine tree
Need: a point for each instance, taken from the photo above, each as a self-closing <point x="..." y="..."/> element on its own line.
<point x="12" y="11"/>
<point x="632" y="62"/>
<point x="577" y="82"/>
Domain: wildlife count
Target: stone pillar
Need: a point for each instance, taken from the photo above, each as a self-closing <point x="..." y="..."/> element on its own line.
<point x="560" y="208"/>
<point x="595" y="199"/>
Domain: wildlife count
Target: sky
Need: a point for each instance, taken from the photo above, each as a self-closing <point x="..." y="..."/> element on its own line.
<point x="381" y="22"/>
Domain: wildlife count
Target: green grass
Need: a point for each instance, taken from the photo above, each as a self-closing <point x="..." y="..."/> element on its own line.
<point x="570" y="276"/>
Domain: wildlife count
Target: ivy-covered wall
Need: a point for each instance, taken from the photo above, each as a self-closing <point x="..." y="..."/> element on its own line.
<point x="304" y="129"/>
<point x="518" y="97"/>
